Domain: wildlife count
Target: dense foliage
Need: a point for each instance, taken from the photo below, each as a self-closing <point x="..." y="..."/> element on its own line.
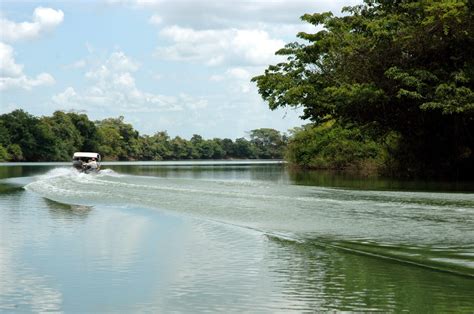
<point x="330" y="146"/>
<point x="24" y="137"/>
<point x="388" y="66"/>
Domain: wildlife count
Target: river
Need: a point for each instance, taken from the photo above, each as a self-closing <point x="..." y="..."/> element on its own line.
<point x="231" y="237"/>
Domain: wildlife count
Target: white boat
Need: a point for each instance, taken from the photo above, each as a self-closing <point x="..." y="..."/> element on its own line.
<point x="86" y="162"/>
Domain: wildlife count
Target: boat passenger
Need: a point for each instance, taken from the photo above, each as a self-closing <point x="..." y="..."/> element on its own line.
<point x="92" y="164"/>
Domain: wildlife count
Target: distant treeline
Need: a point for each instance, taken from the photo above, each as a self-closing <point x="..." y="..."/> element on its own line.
<point x="24" y="137"/>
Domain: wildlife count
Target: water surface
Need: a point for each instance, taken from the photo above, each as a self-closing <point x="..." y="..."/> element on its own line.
<point x="235" y="237"/>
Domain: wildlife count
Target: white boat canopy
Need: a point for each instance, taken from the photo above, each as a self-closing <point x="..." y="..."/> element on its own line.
<point x="86" y="155"/>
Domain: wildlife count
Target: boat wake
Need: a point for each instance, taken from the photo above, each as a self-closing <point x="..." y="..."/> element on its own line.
<point x="428" y="229"/>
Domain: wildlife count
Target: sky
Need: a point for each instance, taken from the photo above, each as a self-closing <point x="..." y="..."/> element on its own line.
<point x="181" y="66"/>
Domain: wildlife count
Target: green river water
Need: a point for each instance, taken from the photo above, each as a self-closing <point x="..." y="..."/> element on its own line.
<point x="241" y="236"/>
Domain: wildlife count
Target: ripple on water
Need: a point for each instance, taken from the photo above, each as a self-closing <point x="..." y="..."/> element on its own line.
<point x="214" y="255"/>
<point x="428" y="219"/>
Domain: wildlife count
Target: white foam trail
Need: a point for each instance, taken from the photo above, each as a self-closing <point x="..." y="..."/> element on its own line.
<point x="58" y="172"/>
<point x="73" y="173"/>
<point x="70" y="186"/>
<point x="381" y="217"/>
<point x="274" y="208"/>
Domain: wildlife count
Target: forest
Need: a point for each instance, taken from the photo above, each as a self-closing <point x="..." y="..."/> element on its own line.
<point x="24" y="137"/>
<point x="388" y="85"/>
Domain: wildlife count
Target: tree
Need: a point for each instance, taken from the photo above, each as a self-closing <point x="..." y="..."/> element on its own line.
<point x="15" y="153"/>
<point x="228" y="147"/>
<point x="50" y="145"/>
<point x="269" y="143"/>
<point x="329" y="146"/>
<point x="217" y="148"/>
<point x="4" y="133"/>
<point x="119" y="139"/>
<point x="4" y="156"/>
<point x="58" y="137"/>
<point x="179" y="146"/>
<point x="196" y="142"/>
<point x="21" y="129"/>
<point x="110" y="142"/>
<point x="162" y="145"/>
<point x="404" y="66"/>
<point x="146" y="144"/>
<point x="244" y="149"/>
<point x="87" y="130"/>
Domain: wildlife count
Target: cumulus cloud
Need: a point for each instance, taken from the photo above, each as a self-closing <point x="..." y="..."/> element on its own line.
<point x="119" y="62"/>
<point x="11" y="73"/>
<point x="215" y="47"/>
<point x="25" y="82"/>
<point x="238" y="79"/>
<point x="113" y="88"/>
<point x="68" y="97"/>
<point x="43" y="20"/>
<point x="8" y="67"/>
<point x="206" y="14"/>
<point x="229" y="107"/>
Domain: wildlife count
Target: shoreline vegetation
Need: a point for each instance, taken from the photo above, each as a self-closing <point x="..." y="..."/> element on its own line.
<point x="387" y="86"/>
<point x="24" y="137"/>
<point x="327" y="147"/>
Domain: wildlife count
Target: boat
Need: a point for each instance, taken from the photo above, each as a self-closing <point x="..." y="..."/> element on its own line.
<point x="86" y="162"/>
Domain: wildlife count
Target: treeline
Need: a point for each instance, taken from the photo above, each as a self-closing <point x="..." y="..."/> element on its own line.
<point x="24" y="137"/>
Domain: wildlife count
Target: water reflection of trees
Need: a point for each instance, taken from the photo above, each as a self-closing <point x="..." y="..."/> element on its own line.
<point x="353" y="180"/>
<point x="321" y="278"/>
<point x="6" y="188"/>
<point x="271" y="172"/>
<point x="8" y="171"/>
<point x="67" y="211"/>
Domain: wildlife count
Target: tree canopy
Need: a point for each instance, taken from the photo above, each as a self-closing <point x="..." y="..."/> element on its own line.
<point x="395" y="66"/>
<point x="24" y="137"/>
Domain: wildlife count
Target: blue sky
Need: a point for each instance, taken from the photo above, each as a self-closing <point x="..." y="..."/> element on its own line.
<point x="178" y="65"/>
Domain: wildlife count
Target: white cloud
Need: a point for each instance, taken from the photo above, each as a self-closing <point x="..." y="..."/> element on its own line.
<point x="226" y="110"/>
<point x="119" y="62"/>
<point x="155" y="19"/>
<point x="215" y="47"/>
<point x="11" y="73"/>
<point x="44" y="20"/>
<point x="238" y="79"/>
<point x="68" y="97"/>
<point x="8" y="67"/>
<point x="26" y="83"/>
<point x="12" y="76"/>
<point x="193" y="103"/>
<point x="206" y="14"/>
<point x="113" y="88"/>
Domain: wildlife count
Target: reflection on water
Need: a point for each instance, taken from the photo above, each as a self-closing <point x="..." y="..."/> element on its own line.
<point x="354" y="181"/>
<point x="259" y="172"/>
<point x="22" y="171"/>
<point x="67" y="211"/>
<point x="229" y="238"/>
<point x="362" y="282"/>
